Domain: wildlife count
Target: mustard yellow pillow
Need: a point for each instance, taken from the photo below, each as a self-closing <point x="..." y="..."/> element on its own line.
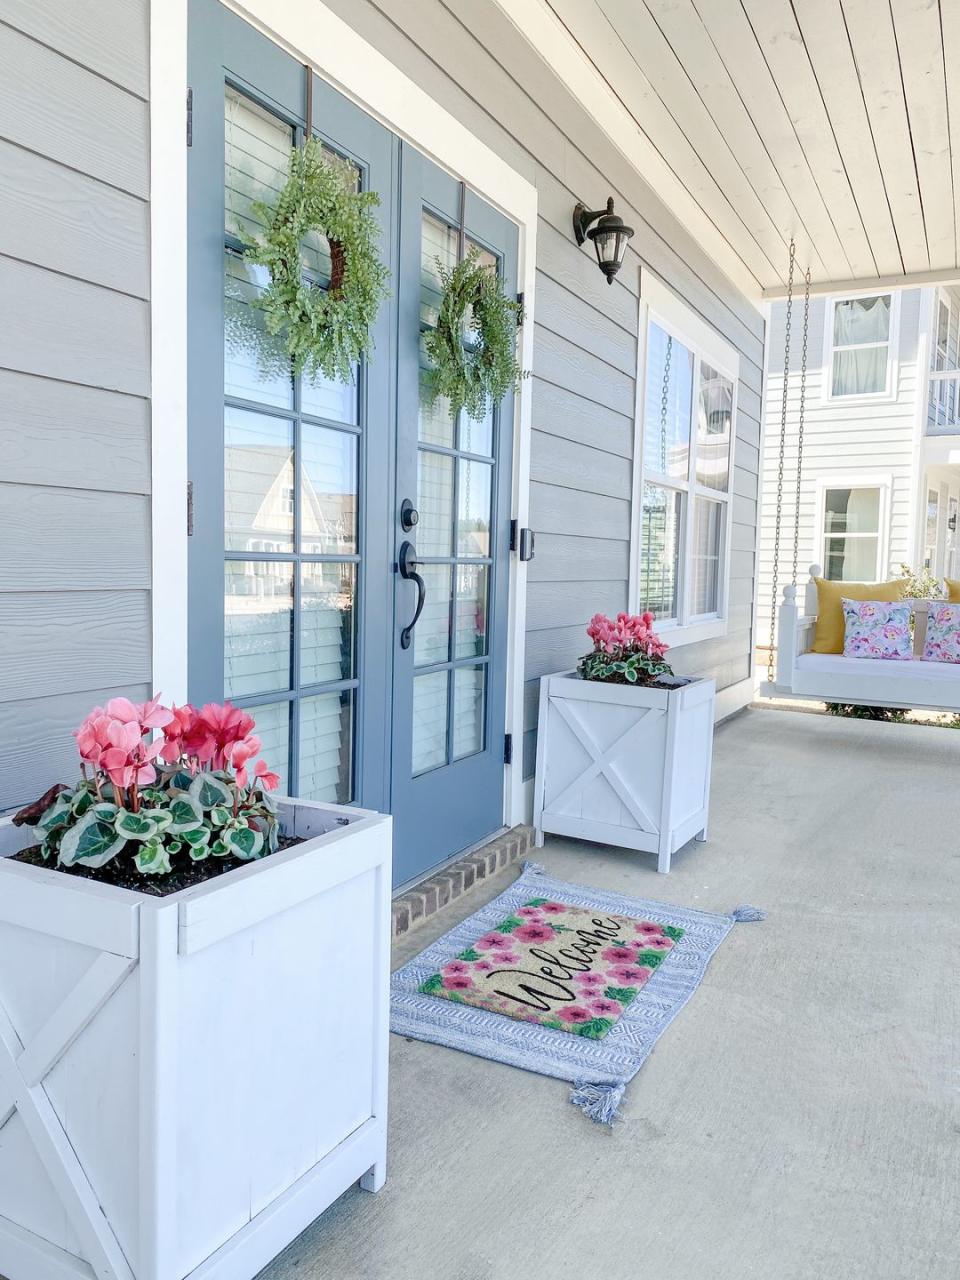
<point x="828" y="634"/>
<point x="953" y="590"/>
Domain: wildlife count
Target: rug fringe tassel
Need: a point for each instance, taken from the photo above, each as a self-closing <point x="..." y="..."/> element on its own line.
<point x="746" y="914"/>
<point x="534" y="868"/>
<point x="601" y="1102"/>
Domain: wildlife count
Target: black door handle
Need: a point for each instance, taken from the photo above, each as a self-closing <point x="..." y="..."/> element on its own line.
<point x="407" y="564"/>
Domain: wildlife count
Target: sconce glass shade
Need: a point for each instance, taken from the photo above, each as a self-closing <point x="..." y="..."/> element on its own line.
<point x="609" y="236"/>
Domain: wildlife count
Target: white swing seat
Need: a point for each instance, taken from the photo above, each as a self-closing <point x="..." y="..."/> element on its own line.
<point x="877" y="682"/>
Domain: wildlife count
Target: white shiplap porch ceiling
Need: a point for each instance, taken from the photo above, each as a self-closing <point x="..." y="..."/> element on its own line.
<point x="836" y="122"/>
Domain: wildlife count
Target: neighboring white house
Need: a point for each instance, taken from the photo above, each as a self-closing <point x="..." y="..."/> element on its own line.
<point x="880" y="479"/>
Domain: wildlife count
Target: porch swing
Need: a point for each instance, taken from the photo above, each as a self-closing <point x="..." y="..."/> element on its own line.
<point x="793" y="669"/>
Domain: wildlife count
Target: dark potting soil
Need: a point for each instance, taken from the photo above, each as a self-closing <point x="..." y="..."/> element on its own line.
<point x="122" y="873"/>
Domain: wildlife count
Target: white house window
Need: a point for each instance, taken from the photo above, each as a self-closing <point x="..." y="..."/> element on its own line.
<point x="932" y="529"/>
<point x="689" y="382"/>
<point x="852" y="533"/>
<point x="860" y="355"/>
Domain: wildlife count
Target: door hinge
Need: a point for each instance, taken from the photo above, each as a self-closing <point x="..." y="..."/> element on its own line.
<point x="189" y="508"/>
<point x="520" y="311"/>
<point x="189" y="117"/>
<point x="508" y="748"/>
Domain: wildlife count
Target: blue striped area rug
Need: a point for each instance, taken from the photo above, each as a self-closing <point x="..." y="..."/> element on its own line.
<point x="427" y="1008"/>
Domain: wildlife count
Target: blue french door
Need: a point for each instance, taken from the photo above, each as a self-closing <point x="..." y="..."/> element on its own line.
<point x="297" y="608"/>
<point x="449" y="691"/>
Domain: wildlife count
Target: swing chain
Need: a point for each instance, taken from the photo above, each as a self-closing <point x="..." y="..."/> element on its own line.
<point x="771" y="652"/>
<point x="803" y="405"/>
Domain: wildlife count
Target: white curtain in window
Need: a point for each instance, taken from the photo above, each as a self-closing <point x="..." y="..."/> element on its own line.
<point x="859" y="371"/>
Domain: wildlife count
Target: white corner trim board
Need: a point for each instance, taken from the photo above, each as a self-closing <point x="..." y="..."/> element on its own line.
<point x="313" y="33"/>
<point x="624" y="765"/>
<point x="187" y="1082"/>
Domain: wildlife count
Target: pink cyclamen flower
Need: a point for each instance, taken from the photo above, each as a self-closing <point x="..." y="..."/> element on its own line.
<point x="182" y="720"/>
<point x="264" y="778"/>
<point x="574" y="1013"/>
<point x="238" y="753"/>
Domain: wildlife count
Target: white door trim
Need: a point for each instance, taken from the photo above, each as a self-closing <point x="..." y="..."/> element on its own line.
<point x="313" y="34"/>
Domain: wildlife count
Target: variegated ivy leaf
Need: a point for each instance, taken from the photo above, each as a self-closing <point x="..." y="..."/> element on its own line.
<point x="185" y="815"/>
<point x="93" y="841"/>
<point x="209" y="791"/>
<point x="81" y="801"/>
<point x="220" y="815"/>
<point x="197" y="837"/>
<point x="152" y="859"/>
<point x="162" y="817"/>
<point x="58" y="815"/>
<point x="243" y="842"/>
<point x="199" y="852"/>
<point x="219" y="849"/>
<point x="178" y="780"/>
<point x="135" y="826"/>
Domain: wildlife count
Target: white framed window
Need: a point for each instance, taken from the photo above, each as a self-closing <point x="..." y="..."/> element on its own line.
<point x="686" y="410"/>
<point x="860" y="339"/>
<point x="853" y="521"/>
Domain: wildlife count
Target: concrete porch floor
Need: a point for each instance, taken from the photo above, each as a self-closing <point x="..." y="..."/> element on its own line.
<point x="798" y="1120"/>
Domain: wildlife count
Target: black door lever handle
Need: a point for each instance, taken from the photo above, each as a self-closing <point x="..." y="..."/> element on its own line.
<point x="407" y="564"/>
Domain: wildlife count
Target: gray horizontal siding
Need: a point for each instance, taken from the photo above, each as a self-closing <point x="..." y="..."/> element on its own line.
<point x="584" y="362"/>
<point x="78" y="227"/>
<point x="74" y="376"/>
<point x="36" y="747"/>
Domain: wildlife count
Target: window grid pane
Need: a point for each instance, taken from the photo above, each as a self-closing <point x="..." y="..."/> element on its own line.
<point x="660" y="550"/>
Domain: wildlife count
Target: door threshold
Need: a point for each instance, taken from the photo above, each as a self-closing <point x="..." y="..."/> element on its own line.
<point x="416" y="902"/>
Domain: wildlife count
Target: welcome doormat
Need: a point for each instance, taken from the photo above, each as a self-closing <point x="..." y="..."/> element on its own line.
<point x="580" y="986"/>
<point x="574" y="969"/>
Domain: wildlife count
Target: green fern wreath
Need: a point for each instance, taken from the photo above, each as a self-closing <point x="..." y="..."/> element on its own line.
<point x="473" y="363"/>
<point x="321" y="331"/>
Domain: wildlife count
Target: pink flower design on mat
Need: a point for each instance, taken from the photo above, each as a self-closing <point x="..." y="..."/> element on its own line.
<point x="529" y="913"/>
<point x="590" y="981"/>
<point x="629" y="974"/>
<point x="455" y="967"/>
<point x="505" y="959"/>
<point x="493" y="942"/>
<point x="553" y="908"/>
<point x="457" y="982"/>
<point x="617" y="955"/>
<point x="659" y="942"/>
<point x="534" y="933"/>
<point x="483" y="965"/>
<point x="647" y="926"/>
<point x="574" y="1013"/>
<point x="604" y="1008"/>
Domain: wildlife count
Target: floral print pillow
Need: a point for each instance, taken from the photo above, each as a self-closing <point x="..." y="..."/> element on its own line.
<point x="943" y="634"/>
<point x="876" y="629"/>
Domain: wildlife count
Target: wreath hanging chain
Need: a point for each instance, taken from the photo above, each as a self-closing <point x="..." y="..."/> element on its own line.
<point x="473" y="349"/>
<point x="321" y="331"/>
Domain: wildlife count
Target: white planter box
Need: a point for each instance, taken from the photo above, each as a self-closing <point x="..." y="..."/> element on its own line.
<point x="622" y="765"/>
<point x="187" y="1082"/>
